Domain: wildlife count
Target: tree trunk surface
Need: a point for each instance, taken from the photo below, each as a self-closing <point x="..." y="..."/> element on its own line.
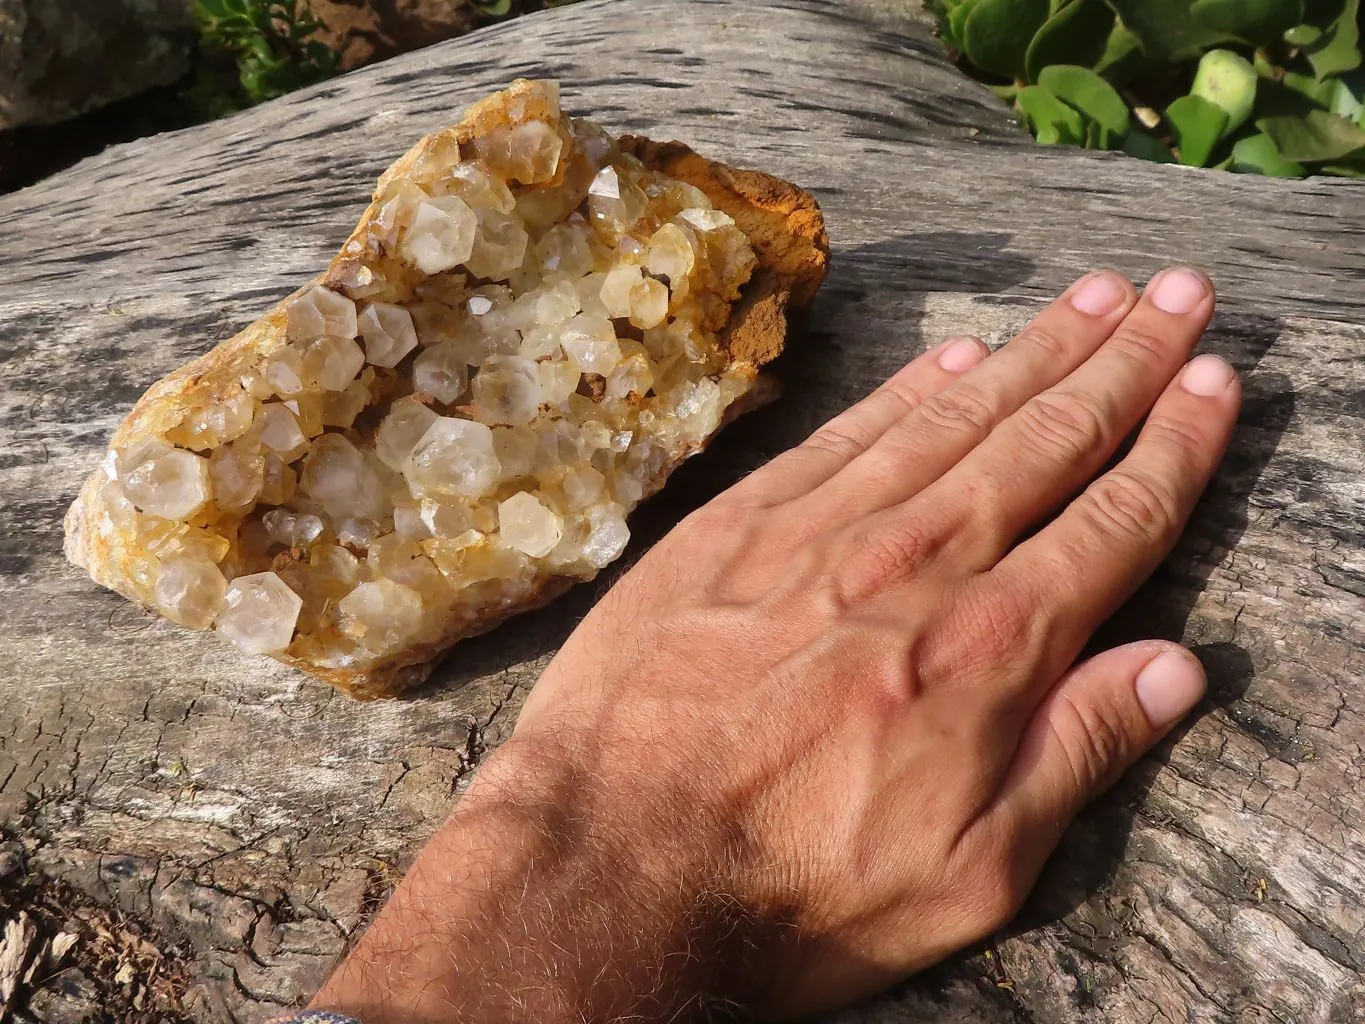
<point x="214" y="827"/>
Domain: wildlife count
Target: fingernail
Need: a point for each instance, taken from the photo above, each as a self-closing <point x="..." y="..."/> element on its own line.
<point x="1207" y="375"/>
<point x="1178" y="290"/>
<point x="1168" y="687"/>
<point x="1099" y="294"/>
<point x="959" y="355"/>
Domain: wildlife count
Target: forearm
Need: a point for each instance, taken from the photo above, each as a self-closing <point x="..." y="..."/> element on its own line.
<point x="535" y="902"/>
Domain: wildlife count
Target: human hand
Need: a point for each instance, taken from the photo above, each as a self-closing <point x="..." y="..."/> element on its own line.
<point x="828" y="730"/>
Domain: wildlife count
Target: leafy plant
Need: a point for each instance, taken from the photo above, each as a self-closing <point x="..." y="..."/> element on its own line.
<point x="1257" y="86"/>
<point x="505" y="8"/>
<point x="271" y="44"/>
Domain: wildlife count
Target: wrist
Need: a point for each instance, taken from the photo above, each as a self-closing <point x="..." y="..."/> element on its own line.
<point x="555" y="892"/>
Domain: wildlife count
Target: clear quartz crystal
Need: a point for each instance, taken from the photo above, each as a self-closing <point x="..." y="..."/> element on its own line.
<point x="499" y="246"/>
<point x="284" y="371"/>
<point x="189" y="591"/>
<point x="164" y="481"/>
<point x="279" y="431"/>
<point x="331" y="363"/>
<point x="338" y="477"/>
<point x="401" y="429"/>
<point x="388" y="332"/>
<point x="441" y="235"/>
<point x="236" y="476"/>
<point x="554" y="298"/>
<point x="320" y="312"/>
<point x="381" y="614"/>
<point x="453" y="457"/>
<point x="442" y="371"/>
<point x="608" y="537"/>
<point x="292" y="529"/>
<point x="217" y="424"/>
<point x="559" y="379"/>
<point x="590" y="343"/>
<point x="527" y="525"/>
<point x="507" y="390"/>
<point x="259" y="612"/>
<point x="618" y="286"/>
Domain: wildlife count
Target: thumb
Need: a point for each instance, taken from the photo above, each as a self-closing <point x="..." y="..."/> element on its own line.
<point x="1097" y="721"/>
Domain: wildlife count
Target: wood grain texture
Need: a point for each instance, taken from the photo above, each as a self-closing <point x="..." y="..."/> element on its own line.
<point x="250" y="820"/>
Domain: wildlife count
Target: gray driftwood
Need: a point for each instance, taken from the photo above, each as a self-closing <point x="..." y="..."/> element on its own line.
<point x="248" y="820"/>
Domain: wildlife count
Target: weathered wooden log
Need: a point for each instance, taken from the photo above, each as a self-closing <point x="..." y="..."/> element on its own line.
<point x="248" y="821"/>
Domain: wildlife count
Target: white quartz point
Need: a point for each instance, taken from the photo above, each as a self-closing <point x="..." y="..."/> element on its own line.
<point x="332" y="362"/>
<point x="454" y="456"/>
<point x="167" y="482"/>
<point x="401" y="429"/>
<point x="279" y="430"/>
<point x="441" y="371"/>
<point x="608" y="537"/>
<point x="189" y="591"/>
<point x="381" y="612"/>
<point x="441" y="235"/>
<point x="616" y="289"/>
<point x="507" y="390"/>
<point x="499" y="246"/>
<point x="388" y="332"/>
<point x="527" y="525"/>
<point x="237" y="477"/>
<point x="338" y="478"/>
<point x="259" y="612"/>
<point x="319" y="312"/>
<point x="590" y="343"/>
<point x="706" y="220"/>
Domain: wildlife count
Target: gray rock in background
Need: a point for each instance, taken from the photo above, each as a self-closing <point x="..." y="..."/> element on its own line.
<point x="60" y="58"/>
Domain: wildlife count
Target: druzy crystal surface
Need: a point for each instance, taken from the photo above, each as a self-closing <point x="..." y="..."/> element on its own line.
<point x="520" y="337"/>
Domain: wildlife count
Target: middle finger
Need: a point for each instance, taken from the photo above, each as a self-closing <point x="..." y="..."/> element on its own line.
<point x="1044" y="453"/>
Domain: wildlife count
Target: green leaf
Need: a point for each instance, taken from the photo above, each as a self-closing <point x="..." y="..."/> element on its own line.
<point x="494" y="8"/>
<point x="998" y="32"/>
<point x="1258" y="22"/>
<point x="1256" y="154"/>
<point x="1094" y="97"/>
<point x="1123" y="59"/>
<point x="1317" y="137"/>
<point x="1320" y="92"/>
<point x="1198" y="126"/>
<point x="1348" y="96"/>
<point x="1344" y="170"/>
<point x="1228" y="81"/>
<point x="1144" y="147"/>
<point x="1339" y="48"/>
<point x="1076" y="34"/>
<point x="1052" y="121"/>
<point x="1165" y="30"/>
<point x="957" y="22"/>
<point x="1303" y="35"/>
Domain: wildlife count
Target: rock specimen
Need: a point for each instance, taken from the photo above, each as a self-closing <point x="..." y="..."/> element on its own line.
<point x="531" y="326"/>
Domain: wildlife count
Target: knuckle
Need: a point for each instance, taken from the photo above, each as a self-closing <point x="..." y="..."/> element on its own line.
<point x="880" y="559"/>
<point x="1093" y="739"/>
<point x="1179" y="436"/>
<point x="723" y="516"/>
<point x="1065" y="424"/>
<point x="1048" y="343"/>
<point x="995" y="625"/>
<point x="1138" y="342"/>
<point x="904" y="392"/>
<point x="833" y="439"/>
<point x="1131" y="505"/>
<point x="961" y="408"/>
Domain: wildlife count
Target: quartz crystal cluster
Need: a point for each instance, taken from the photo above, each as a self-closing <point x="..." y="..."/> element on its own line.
<point x="520" y="339"/>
